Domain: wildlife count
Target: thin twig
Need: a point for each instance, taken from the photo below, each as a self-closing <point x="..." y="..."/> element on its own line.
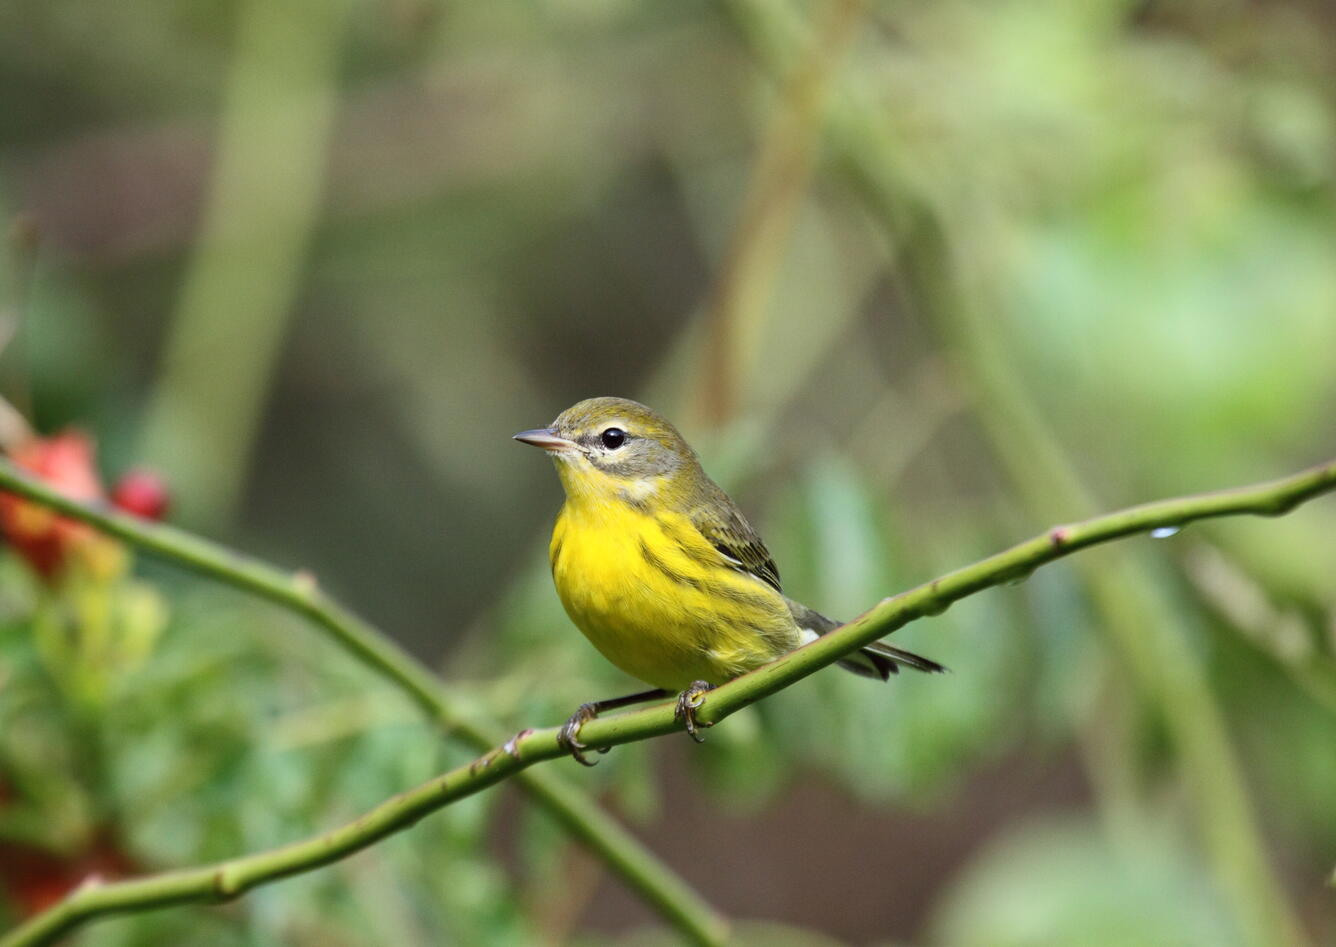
<point x="231" y="879"/>
<point x="622" y="852"/>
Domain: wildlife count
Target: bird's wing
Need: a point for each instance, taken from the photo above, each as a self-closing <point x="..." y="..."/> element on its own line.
<point x="724" y="526"/>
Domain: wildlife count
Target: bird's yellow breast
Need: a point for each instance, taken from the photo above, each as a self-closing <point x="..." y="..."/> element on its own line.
<point x="651" y="593"/>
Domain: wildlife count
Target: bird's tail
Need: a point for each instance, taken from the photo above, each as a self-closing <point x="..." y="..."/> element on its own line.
<point x="882" y="660"/>
<point x="878" y="659"/>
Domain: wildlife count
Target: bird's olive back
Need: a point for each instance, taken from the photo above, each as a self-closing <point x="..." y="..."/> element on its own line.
<point x="625" y="439"/>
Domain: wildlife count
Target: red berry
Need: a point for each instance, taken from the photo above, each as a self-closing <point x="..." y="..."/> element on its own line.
<point x="143" y="493"/>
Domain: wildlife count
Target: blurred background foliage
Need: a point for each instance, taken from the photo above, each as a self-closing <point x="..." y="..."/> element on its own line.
<point x="918" y="280"/>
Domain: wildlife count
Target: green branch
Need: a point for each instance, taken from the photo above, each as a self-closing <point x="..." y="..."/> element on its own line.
<point x="230" y="879"/>
<point x="621" y="851"/>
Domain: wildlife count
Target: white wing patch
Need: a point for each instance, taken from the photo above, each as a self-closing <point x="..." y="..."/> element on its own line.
<point x="733" y="561"/>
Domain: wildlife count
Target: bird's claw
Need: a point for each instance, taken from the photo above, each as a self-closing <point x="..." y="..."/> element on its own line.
<point x="688" y="702"/>
<point x="569" y="735"/>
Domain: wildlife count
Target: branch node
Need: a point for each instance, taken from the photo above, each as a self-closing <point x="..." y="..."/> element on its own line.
<point x="1282" y="505"/>
<point x="90" y="882"/>
<point x="304" y="581"/>
<point x="512" y="746"/>
<point x="227" y="884"/>
<point x="481" y="763"/>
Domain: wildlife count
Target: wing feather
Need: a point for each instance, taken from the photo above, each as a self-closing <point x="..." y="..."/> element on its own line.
<point x="727" y="530"/>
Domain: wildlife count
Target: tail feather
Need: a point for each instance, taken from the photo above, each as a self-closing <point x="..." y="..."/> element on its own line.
<point x="882" y="660"/>
<point x="878" y="659"/>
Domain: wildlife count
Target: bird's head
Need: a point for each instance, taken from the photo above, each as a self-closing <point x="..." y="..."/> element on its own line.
<point x="607" y="448"/>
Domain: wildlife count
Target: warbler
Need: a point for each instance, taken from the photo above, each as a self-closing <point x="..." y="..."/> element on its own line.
<point x="661" y="571"/>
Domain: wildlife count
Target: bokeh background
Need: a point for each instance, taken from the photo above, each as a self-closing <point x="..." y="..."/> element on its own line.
<point x="918" y="280"/>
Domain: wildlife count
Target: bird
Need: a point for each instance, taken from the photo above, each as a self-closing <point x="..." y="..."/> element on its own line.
<point x="661" y="571"/>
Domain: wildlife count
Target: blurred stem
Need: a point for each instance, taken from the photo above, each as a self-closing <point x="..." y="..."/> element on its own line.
<point x="937" y="402"/>
<point x="230" y="879"/>
<point x="22" y="245"/>
<point x="239" y="290"/>
<point x="1225" y="590"/>
<point x="622" y="852"/>
<point x="1107" y="731"/>
<point x="14" y="427"/>
<point x="737" y="305"/>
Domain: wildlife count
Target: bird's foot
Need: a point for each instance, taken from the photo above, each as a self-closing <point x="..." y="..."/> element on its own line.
<point x="688" y="702"/>
<point x="569" y="735"/>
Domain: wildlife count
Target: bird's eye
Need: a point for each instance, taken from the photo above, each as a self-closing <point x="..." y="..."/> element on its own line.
<point x="613" y="438"/>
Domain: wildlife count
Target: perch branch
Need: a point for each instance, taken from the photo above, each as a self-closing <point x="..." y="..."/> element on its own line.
<point x="232" y="878"/>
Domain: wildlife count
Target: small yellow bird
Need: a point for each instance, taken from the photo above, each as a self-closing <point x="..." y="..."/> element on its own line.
<point x="661" y="571"/>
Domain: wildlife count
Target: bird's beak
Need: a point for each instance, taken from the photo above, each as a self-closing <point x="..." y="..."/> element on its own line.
<point x="544" y="437"/>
